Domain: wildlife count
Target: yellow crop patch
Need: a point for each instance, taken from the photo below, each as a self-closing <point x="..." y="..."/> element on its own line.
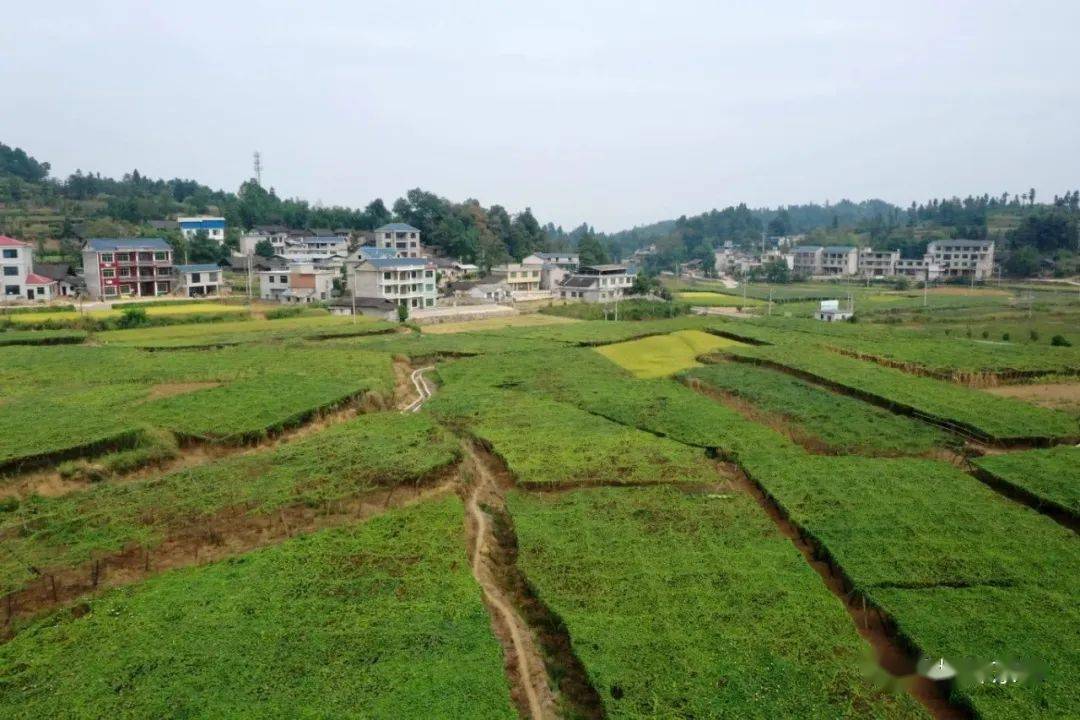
<point x="661" y="355"/>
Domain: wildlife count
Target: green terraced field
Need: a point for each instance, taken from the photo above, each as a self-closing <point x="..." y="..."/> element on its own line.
<point x="842" y="424"/>
<point x="380" y="619"/>
<point x="693" y="605"/>
<point x="376" y="450"/>
<point x="1052" y="475"/>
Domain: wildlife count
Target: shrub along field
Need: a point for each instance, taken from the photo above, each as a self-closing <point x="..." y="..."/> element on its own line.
<point x="374" y="620"/>
<point x="54" y="533"/>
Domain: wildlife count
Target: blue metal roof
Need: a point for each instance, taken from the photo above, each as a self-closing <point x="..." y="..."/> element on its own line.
<point x="206" y="267"/>
<point x="398" y="262"/>
<point x="806" y="248"/>
<point x="397" y="227"/>
<point x="839" y="248"/>
<point x="203" y="224"/>
<point x="110" y="244"/>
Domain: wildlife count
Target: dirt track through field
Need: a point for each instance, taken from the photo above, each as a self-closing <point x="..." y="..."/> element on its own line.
<point x="525" y="663"/>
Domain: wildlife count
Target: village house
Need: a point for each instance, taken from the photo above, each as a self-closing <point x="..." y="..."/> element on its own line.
<point x="407" y="281"/>
<point x="297" y="284"/>
<point x="564" y="260"/>
<point x="479" y="291"/>
<point x="519" y="277"/>
<point x="877" y="263"/>
<point x="127" y="267"/>
<point x="19" y="279"/>
<point x="962" y="258"/>
<point x="197" y="280"/>
<point x="212" y="226"/>
<point x="68" y="283"/>
<point x="401" y="237"/>
<point x="596" y="283"/>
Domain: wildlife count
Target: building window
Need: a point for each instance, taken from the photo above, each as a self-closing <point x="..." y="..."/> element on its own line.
<point x="110" y="290"/>
<point x="11" y="289"/>
<point x="196" y="277"/>
<point x="106" y="257"/>
<point x="108" y="273"/>
<point x="10" y="270"/>
<point x="10" y="254"/>
<point x="160" y="256"/>
<point x="41" y="291"/>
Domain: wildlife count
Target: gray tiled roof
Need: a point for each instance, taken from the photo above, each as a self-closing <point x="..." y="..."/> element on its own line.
<point x="107" y="244"/>
<point x="397" y="227"/>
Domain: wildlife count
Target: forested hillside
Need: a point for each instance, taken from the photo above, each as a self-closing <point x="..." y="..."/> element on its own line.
<point x="1033" y="238"/>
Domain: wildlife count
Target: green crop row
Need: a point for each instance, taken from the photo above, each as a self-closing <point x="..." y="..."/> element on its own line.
<point x="42" y="337"/>
<point x="547" y="443"/>
<point x="841" y="424"/>
<point x="693" y="605"/>
<point x="386" y="449"/>
<point x="1051" y="475"/>
<point x="380" y="619"/>
<point x="974" y="412"/>
<point x="232" y="333"/>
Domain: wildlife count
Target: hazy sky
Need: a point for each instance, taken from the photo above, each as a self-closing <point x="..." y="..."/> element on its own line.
<point x="617" y="113"/>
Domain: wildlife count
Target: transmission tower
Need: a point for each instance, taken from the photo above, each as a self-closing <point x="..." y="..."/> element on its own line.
<point x="258" y="167"/>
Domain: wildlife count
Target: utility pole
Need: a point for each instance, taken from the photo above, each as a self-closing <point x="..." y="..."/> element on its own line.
<point x="258" y="167"/>
<point x="925" y="285"/>
<point x="249" y="279"/>
<point x="770" y="302"/>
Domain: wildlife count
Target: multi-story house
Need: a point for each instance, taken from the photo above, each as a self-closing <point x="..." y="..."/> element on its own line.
<point x="316" y="244"/>
<point x="918" y="268"/>
<point x="963" y="258"/>
<point x="213" y="226"/>
<point x="807" y="259"/>
<point x="596" y="283"/>
<point x="402" y="237"/>
<point x="519" y="277"/>
<point x="297" y="284"/>
<point x="127" y="267"/>
<point x="839" y="260"/>
<point x="406" y="281"/>
<point x="17" y="273"/>
<point x="877" y="263"/>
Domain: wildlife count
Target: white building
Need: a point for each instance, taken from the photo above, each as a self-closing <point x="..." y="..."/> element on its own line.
<point x="878" y="263"/>
<point x="400" y="237"/>
<point x="198" y="280"/>
<point x="839" y="260"/>
<point x="596" y="283"/>
<point x="962" y="258"/>
<point x="407" y="281"/>
<point x="213" y="226"/>
<point x="317" y="245"/>
<point x="19" y="279"/>
<point x="565" y="260"/>
<point x="297" y="284"/>
<point x="829" y="311"/>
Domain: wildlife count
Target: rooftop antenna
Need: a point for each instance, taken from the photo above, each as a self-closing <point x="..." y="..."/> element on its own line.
<point x="258" y="167"/>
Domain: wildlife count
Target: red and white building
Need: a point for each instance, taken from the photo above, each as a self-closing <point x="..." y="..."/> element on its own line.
<point x="17" y="275"/>
<point x="127" y="267"/>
